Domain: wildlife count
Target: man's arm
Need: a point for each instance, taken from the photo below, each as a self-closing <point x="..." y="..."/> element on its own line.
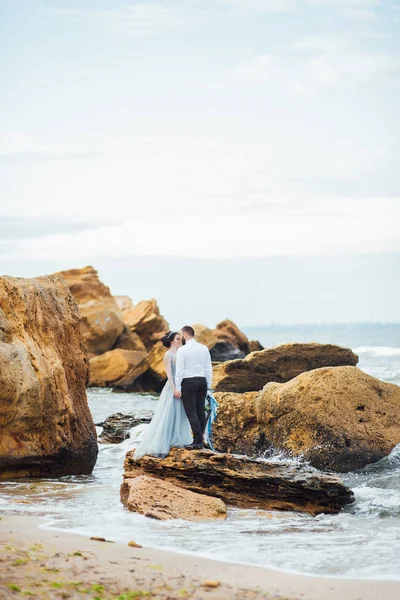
<point x="180" y="367"/>
<point x="208" y="369"/>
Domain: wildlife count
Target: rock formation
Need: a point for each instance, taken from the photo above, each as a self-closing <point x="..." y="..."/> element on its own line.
<point x="117" y="368"/>
<point x="145" y="320"/>
<point x="116" y="427"/>
<point x="226" y="341"/>
<point x="236" y="428"/>
<point x="244" y="482"/>
<point x="45" y="425"/>
<point x="339" y="418"/>
<point x="101" y="323"/>
<point x="278" y="364"/>
<point x="155" y="376"/>
<point x="162" y="500"/>
<point x="100" y="327"/>
<point x="86" y="286"/>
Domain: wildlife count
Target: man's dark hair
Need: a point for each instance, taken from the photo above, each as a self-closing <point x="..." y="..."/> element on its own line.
<point x="189" y="330"/>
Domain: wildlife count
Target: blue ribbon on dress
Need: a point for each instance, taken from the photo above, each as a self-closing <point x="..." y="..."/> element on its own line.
<point x="211" y="407"/>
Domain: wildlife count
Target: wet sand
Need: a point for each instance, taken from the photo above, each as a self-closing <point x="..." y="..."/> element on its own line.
<point x="46" y="564"/>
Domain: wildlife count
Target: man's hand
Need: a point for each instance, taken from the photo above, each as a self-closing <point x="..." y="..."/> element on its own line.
<point x="177" y="394"/>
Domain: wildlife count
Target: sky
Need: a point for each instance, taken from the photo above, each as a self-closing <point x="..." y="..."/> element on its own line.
<point x="232" y="158"/>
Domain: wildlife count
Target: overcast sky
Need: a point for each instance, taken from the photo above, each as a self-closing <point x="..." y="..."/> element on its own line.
<point x="213" y="130"/>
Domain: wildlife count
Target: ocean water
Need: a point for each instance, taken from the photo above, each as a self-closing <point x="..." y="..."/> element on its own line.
<point x="363" y="541"/>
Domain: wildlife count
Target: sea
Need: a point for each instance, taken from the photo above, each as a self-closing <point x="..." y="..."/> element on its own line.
<point x="361" y="542"/>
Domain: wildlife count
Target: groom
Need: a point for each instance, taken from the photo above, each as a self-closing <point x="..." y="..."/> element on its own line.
<point x="193" y="378"/>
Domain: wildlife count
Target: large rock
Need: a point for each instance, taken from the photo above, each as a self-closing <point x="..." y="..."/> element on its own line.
<point x="117" y="368"/>
<point x="128" y="340"/>
<point x="100" y="327"/>
<point x="162" y="500"/>
<point x="244" y="482"/>
<point x="45" y="425"/>
<point x="145" y="320"/>
<point x="155" y="376"/>
<point x="86" y="286"/>
<point x="226" y="341"/>
<point x="336" y="418"/>
<point x="236" y="428"/>
<point x="101" y="323"/>
<point x="278" y="364"/>
<point x="116" y="427"/>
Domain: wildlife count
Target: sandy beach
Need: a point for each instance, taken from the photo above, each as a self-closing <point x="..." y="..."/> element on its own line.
<point x="48" y="564"/>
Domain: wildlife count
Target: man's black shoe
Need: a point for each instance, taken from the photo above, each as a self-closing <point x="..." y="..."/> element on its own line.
<point x="194" y="447"/>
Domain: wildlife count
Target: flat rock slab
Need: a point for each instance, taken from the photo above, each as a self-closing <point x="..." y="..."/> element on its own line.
<point x="163" y="500"/>
<point x="278" y="364"/>
<point x="116" y="427"/>
<point x="245" y="482"/>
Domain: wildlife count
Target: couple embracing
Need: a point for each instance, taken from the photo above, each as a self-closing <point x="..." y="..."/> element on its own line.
<point x="181" y="407"/>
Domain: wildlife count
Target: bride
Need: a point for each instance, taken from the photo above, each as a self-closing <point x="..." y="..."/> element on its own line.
<point x="169" y="425"/>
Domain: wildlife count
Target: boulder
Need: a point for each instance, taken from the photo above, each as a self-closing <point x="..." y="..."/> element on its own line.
<point x="145" y="320"/>
<point x="45" y="424"/>
<point x="227" y="331"/>
<point x="116" y="427"/>
<point x="236" y="428"/>
<point x="100" y="327"/>
<point x="86" y="286"/>
<point x="339" y="419"/>
<point x="117" y="368"/>
<point x="129" y="341"/>
<point x="223" y="351"/>
<point x="226" y="341"/>
<point x="155" y="377"/>
<point x="278" y="364"/>
<point x="162" y="500"/>
<point x="244" y="482"/>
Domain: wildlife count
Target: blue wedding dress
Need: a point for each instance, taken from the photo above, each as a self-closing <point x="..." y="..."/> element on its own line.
<point x="169" y="426"/>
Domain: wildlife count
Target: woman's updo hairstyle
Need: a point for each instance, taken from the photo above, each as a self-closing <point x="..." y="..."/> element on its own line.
<point x="168" y="338"/>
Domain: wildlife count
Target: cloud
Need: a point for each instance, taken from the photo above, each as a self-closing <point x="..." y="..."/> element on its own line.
<point x="17" y="146"/>
<point x="14" y="229"/>
<point x="260" y="5"/>
<point x="140" y="19"/>
<point x="254" y="71"/>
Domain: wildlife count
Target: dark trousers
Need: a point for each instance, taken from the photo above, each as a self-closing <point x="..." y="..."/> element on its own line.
<point x="194" y="392"/>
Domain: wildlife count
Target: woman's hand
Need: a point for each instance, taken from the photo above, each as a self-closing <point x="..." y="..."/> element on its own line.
<point x="177" y="394"/>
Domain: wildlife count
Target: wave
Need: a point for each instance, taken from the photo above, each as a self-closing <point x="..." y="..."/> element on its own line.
<point x="378" y="351"/>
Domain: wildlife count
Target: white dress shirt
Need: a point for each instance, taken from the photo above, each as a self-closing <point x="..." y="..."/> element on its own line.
<point x="193" y="360"/>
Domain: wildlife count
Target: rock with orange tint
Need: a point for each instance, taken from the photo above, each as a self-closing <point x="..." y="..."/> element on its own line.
<point x="86" y="286"/>
<point x="162" y="500"/>
<point x="155" y="377"/>
<point x="117" y="368"/>
<point x="145" y="320"/>
<point x="46" y="428"/>
<point x="278" y="364"/>
<point x="339" y="419"/>
<point x="100" y="327"/>
<point x="241" y="481"/>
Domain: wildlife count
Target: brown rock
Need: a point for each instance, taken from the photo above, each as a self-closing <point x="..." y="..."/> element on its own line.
<point x="162" y="500"/>
<point x="336" y="418"/>
<point x="116" y="427"/>
<point x="155" y="377"/>
<point x="129" y="341"/>
<point x="236" y="428"/>
<point x="119" y="368"/>
<point x="86" y="286"/>
<point x="244" y="482"/>
<point x="45" y="424"/>
<point x="145" y="320"/>
<point x="227" y="331"/>
<point x="278" y="364"/>
<point x="100" y="327"/>
<point x="226" y="341"/>
<point x="255" y="346"/>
